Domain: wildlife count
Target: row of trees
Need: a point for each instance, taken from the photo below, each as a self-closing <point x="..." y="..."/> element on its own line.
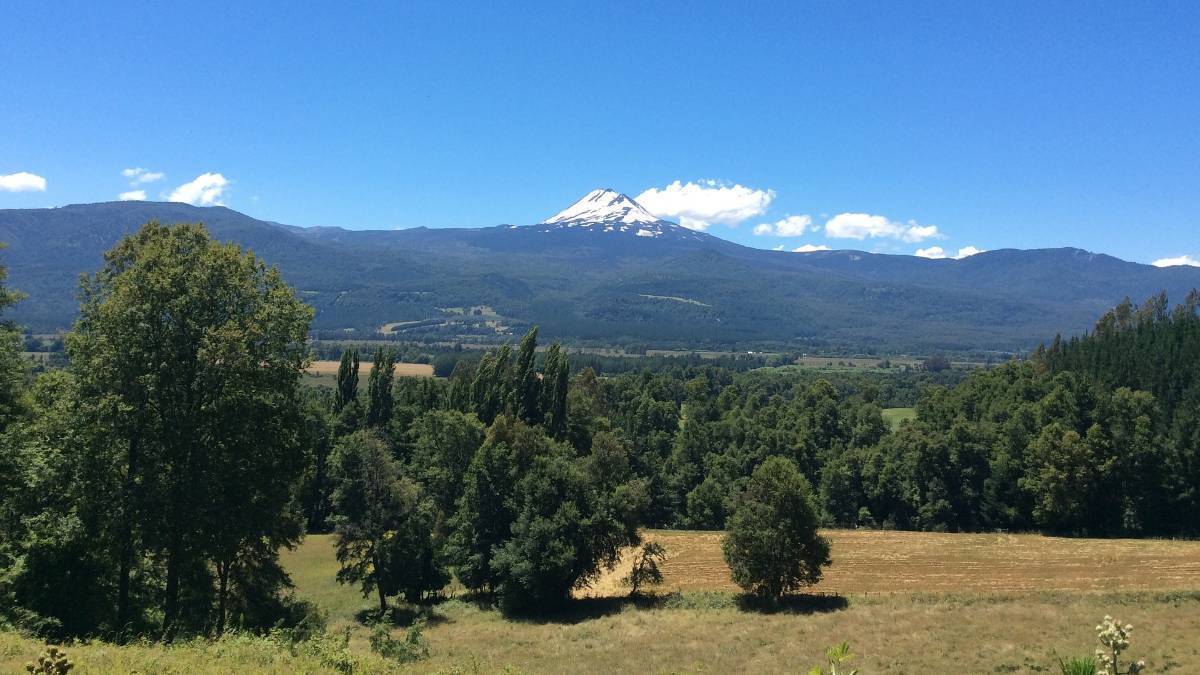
<point x="148" y="487"/>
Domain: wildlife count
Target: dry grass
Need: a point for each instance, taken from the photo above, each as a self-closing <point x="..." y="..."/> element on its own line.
<point x="872" y="562"/>
<point x="914" y="603"/>
<point x="402" y="369"/>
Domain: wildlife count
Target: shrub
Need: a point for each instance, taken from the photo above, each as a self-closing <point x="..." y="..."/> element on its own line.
<point x="53" y="661"/>
<point x="1078" y="666"/>
<point x="1114" y="639"/>
<point x="772" y="546"/>
<point x="837" y="656"/>
<point x="411" y="648"/>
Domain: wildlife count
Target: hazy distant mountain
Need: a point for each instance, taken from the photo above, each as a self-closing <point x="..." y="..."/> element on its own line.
<point x="606" y="270"/>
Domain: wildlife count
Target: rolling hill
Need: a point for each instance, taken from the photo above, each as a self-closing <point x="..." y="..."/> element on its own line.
<point x="606" y="271"/>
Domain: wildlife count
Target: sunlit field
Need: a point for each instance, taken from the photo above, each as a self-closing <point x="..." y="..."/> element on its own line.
<point x="325" y="372"/>
<point x="908" y="603"/>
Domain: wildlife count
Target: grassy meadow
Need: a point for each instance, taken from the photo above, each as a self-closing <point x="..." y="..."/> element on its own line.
<point x="894" y="416"/>
<point x="908" y="603"/>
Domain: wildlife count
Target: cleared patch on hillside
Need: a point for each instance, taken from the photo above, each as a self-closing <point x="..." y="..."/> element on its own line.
<point x="675" y="298"/>
<point x="894" y="416"/>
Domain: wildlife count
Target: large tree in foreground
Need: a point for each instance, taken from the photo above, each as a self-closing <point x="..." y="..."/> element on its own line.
<point x="191" y="351"/>
<point x="772" y="546"/>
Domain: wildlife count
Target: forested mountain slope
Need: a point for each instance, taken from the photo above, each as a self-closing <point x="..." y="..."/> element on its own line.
<point x="616" y="279"/>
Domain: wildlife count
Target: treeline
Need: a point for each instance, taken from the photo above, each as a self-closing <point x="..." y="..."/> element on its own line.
<point x="147" y="488"/>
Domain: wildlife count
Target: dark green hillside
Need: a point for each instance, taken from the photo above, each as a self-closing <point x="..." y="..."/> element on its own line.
<point x="682" y="289"/>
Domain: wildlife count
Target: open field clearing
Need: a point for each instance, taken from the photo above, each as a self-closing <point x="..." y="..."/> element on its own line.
<point x="364" y="369"/>
<point x="874" y="562"/>
<point x="894" y="416"/>
<point x="909" y="603"/>
<point x="325" y="372"/>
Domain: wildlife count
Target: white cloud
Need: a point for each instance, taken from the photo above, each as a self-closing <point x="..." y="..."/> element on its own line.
<point x="699" y="205"/>
<point x="791" y="226"/>
<point x="937" y="253"/>
<point x="1173" y="262"/>
<point x="140" y="176"/>
<point x="22" y="181"/>
<point x="777" y="248"/>
<point x="915" y="233"/>
<point x="809" y="248"/>
<point x="205" y="190"/>
<point x="133" y="196"/>
<point x="863" y="225"/>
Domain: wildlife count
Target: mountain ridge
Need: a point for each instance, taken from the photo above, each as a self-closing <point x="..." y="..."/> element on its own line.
<point x="583" y="283"/>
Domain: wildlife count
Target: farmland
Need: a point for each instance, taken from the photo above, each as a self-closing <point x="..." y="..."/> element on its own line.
<point x="908" y="603"/>
<point x="325" y="372"/>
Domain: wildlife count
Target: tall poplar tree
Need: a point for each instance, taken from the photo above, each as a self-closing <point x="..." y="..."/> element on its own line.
<point x="347" y="380"/>
<point x="527" y="384"/>
<point x="379" y="388"/>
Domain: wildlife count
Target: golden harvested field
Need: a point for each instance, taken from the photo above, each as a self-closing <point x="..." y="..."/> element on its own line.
<point x="364" y="369"/>
<point x="873" y="562"/>
<point x="909" y="604"/>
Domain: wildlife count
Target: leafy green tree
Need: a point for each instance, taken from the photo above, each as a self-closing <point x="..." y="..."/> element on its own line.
<point x="443" y="444"/>
<point x="1060" y="477"/>
<point x="55" y="515"/>
<point x="772" y="546"/>
<point x="486" y="510"/>
<point x="567" y="530"/>
<point x="12" y="371"/>
<point x="382" y="522"/>
<point x="190" y="353"/>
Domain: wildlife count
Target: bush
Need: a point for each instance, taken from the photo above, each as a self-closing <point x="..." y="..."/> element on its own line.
<point x="53" y="661"/>
<point x="837" y="656"/>
<point x="772" y="546"/>
<point x="1078" y="666"/>
<point x="411" y="648"/>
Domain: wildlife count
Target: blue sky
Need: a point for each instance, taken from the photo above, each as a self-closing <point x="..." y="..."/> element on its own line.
<point x="999" y="124"/>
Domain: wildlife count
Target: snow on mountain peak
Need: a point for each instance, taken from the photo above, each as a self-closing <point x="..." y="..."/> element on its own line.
<point x="603" y="206"/>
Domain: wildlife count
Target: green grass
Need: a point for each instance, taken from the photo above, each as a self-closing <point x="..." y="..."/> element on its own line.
<point x="911" y="630"/>
<point x="894" y="416"/>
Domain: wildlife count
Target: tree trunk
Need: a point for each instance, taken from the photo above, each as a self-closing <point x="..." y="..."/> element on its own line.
<point x="127" y="552"/>
<point x="171" y="600"/>
<point x="379" y="586"/>
<point x="223" y="571"/>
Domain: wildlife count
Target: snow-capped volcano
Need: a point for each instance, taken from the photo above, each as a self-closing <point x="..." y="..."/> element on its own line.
<point x="603" y="206"/>
<point x="604" y="210"/>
